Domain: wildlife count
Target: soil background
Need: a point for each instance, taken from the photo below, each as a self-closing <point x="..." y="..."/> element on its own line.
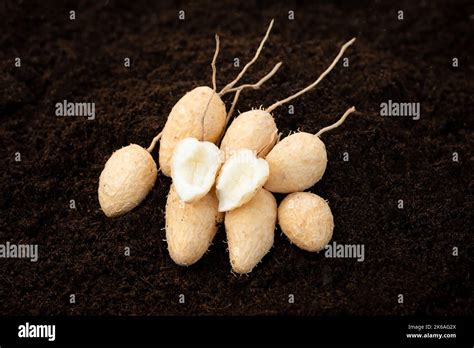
<point x="407" y="251"/>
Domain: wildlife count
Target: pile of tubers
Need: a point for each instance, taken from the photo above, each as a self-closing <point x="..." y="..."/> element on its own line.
<point x="231" y="183"/>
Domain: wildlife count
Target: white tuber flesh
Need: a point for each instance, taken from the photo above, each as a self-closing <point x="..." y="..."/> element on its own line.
<point x="194" y="168"/>
<point x="126" y="179"/>
<point x="240" y="178"/>
<point x="250" y="231"/>
<point x="201" y="113"/>
<point x="306" y="219"/>
<point x="190" y="228"/>
<point x="256" y="130"/>
<point x="299" y="160"/>
<point x="231" y="84"/>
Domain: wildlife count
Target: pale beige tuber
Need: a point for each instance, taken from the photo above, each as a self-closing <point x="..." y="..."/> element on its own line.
<point x="127" y="178"/>
<point x="250" y="231"/>
<point x="256" y="129"/>
<point x="306" y="219"/>
<point x="190" y="228"/>
<point x="298" y="161"/>
<point x="194" y="168"/>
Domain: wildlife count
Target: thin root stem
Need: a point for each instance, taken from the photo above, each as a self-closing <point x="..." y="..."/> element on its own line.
<point x="311" y="86"/>
<point x="247" y="66"/>
<point x="204" y="118"/>
<point x="213" y="64"/>
<point x="257" y="85"/>
<point x="232" y="107"/>
<point x="153" y="142"/>
<point x="338" y="123"/>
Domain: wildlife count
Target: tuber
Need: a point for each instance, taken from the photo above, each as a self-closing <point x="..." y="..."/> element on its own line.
<point x="306" y="219"/>
<point x="128" y="176"/>
<point x="190" y="228"/>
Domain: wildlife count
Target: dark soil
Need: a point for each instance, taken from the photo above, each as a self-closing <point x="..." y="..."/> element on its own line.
<point x="407" y="251"/>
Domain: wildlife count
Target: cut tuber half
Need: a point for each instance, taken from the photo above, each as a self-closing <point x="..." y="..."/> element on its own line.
<point x="194" y="167"/>
<point x="240" y="178"/>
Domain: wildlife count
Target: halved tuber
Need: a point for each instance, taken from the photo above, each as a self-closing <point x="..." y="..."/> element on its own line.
<point x="256" y="129"/>
<point x="201" y="113"/>
<point x="194" y="168"/>
<point x="241" y="176"/>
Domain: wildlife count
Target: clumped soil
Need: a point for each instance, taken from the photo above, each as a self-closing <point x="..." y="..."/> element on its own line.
<point x="407" y="251"/>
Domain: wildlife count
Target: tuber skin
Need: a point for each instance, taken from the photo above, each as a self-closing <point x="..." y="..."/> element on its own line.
<point x="307" y="221"/>
<point x="127" y="178"/>
<point x="256" y="129"/>
<point x="250" y="231"/>
<point x="298" y="161"/>
<point x="190" y="228"/>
